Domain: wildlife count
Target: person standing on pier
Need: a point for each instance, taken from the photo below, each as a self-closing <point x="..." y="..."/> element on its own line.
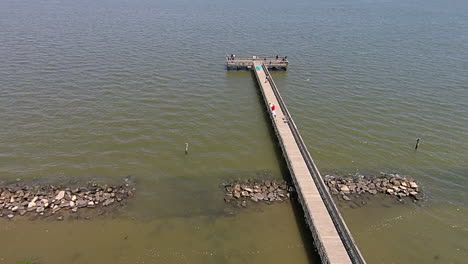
<point x="273" y="109"/>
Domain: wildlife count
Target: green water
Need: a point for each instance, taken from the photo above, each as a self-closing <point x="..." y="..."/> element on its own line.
<point x="102" y="90"/>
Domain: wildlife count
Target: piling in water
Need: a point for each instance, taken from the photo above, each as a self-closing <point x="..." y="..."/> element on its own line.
<point x="417" y="143"/>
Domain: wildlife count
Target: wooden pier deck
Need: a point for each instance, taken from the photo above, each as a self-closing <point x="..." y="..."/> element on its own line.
<point x="332" y="238"/>
<point x="247" y="62"/>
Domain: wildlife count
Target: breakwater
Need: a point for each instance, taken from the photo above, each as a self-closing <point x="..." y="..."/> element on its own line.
<point x="390" y="184"/>
<point x="47" y="200"/>
<point x="240" y="193"/>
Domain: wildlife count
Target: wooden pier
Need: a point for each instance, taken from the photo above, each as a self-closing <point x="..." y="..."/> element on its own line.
<point x="331" y="236"/>
<point x="247" y="62"/>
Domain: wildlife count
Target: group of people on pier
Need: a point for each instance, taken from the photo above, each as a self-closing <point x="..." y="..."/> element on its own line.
<point x="233" y="56"/>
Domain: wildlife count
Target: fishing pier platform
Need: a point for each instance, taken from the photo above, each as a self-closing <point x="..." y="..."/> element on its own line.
<point x="331" y="236"/>
<point x="247" y="63"/>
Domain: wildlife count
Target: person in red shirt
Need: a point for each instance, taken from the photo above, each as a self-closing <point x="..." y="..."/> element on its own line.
<point x="273" y="108"/>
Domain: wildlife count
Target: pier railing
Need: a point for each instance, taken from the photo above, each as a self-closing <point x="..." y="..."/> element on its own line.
<point x="343" y="231"/>
<point x="259" y="58"/>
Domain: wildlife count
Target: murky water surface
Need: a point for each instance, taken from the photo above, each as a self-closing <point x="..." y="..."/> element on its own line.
<point x="104" y="89"/>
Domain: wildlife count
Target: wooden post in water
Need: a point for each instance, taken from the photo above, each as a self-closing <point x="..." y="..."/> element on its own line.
<point x="417" y="143"/>
<point x="186" y="148"/>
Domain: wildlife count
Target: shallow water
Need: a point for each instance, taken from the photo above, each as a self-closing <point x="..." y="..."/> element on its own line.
<point x="102" y="90"/>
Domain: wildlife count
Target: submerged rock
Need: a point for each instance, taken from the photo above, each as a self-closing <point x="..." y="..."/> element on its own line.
<point x="346" y="198"/>
<point x="108" y="202"/>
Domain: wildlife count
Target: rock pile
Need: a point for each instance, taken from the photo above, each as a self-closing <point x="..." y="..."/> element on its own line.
<point x="268" y="191"/>
<point x="391" y="184"/>
<point x="50" y="199"/>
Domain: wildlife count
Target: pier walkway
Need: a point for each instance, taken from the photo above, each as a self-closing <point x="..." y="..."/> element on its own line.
<point x="332" y="238"/>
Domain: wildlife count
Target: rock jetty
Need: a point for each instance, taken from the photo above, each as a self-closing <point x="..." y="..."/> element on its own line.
<point x="256" y="191"/>
<point x="46" y="200"/>
<point x="390" y="184"/>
